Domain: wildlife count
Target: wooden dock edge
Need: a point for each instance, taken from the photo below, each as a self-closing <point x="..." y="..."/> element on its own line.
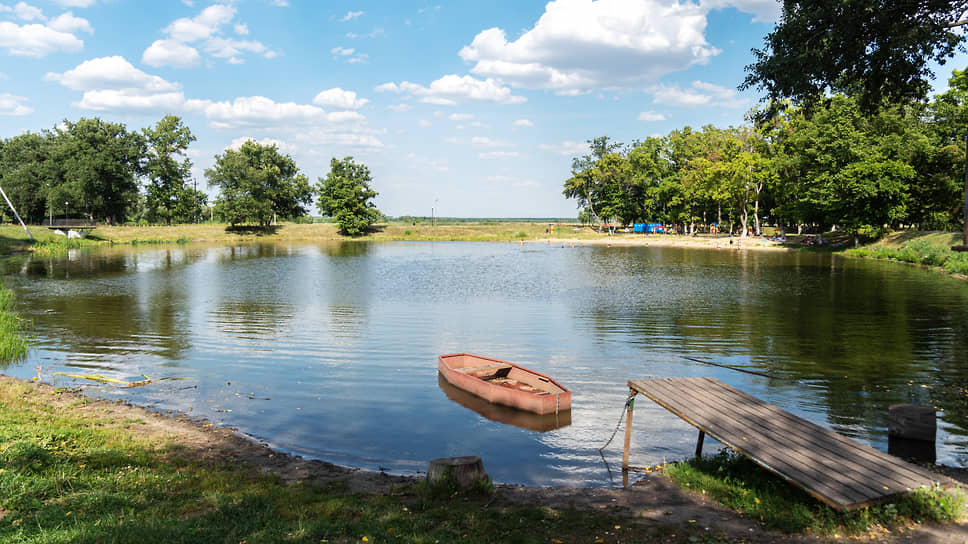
<point x="942" y="481"/>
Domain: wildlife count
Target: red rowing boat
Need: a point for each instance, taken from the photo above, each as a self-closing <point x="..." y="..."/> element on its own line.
<point x="501" y="382"/>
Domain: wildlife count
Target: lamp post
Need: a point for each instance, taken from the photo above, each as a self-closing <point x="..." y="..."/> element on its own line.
<point x="433" y="218"/>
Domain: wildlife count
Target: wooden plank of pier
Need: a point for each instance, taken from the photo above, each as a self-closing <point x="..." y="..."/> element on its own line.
<point x="835" y="469"/>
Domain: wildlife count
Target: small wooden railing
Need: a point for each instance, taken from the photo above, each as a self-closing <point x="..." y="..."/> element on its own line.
<point x="70" y="223"/>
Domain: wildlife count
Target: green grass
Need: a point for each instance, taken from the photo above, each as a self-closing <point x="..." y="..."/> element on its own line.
<point x="738" y="483"/>
<point x="59" y="245"/>
<point x="13" y="341"/>
<point x="79" y="475"/>
<point x="926" y="249"/>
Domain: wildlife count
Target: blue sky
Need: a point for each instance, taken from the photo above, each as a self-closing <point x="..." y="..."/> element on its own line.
<point x="475" y="108"/>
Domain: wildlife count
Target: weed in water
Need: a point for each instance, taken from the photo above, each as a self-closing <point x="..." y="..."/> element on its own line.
<point x="13" y="341"/>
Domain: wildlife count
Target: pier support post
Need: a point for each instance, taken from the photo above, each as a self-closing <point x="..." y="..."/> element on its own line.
<point x="628" y="429"/>
<point x="702" y="435"/>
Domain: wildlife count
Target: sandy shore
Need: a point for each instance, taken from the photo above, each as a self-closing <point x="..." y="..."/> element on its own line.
<point x="670" y="240"/>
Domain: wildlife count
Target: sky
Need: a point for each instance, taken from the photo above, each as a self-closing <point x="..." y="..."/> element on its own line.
<point x="463" y="109"/>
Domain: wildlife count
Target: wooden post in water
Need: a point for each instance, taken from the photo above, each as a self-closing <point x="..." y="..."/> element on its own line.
<point x="702" y="435"/>
<point x="628" y="429"/>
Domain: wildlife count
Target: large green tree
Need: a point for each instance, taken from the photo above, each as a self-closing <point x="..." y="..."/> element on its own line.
<point x="592" y="181"/>
<point x="28" y="176"/>
<point x="878" y="51"/>
<point x="167" y="175"/>
<point x="345" y="195"/>
<point x="101" y="162"/>
<point x="257" y="183"/>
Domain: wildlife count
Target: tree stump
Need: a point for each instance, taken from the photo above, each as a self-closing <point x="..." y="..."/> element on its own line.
<point x="912" y="422"/>
<point x="465" y="471"/>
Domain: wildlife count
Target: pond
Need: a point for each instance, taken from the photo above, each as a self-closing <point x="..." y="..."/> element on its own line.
<point x="330" y="350"/>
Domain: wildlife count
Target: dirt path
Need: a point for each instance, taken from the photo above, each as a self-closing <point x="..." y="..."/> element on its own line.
<point x="654" y="500"/>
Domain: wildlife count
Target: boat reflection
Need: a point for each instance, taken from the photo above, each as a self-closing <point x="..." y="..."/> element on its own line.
<point x="503" y="414"/>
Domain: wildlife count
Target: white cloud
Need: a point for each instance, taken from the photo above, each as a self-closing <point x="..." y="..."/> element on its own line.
<point x="110" y="72"/>
<point x="452" y="89"/>
<point x="282" y="146"/>
<point x="112" y="83"/>
<point x="460" y="116"/>
<point x="399" y="108"/>
<point x="201" y="27"/>
<point x="764" y="11"/>
<point x="259" y="111"/>
<point x="349" y="54"/>
<point x="14" y="105"/>
<point x="36" y="40"/>
<point x="371" y="34"/>
<point x="342" y="137"/>
<point x="227" y="48"/>
<point x="522" y="123"/>
<point x="568" y="147"/>
<point x="340" y="99"/>
<point x="651" y="116"/>
<point x="482" y="141"/>
<point x="350" y="15"/>
<point x="700" y="94"/>
<point x="66" y="22"/>
<point x="580" y="45"/>
<point x="423" y="123"/>
<point x="279" y="3"/>
<point x="206" y="27"/>
<point x="428" y="163"/>
<point x="498" y="155"/>
<point x="76" y="3"/>
<point x="26" y="12"/>
<point x="171" y="53"/>
<point x="512" y="181"/>
<point x="130" y="99"/>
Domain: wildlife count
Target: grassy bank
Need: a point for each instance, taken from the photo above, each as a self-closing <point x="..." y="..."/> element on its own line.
<point x="931" y="249"/>
<point x="78" y="470"/>
<point x="72" y="471"/>
<point x="14" y="238"/>
<point x="738" y="483"/>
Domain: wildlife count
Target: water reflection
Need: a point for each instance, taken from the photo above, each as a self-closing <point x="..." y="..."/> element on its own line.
<point x="330" y="349"/>
<point x="504" y="414"/>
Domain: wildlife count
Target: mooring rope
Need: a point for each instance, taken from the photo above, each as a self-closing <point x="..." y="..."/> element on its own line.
<point x="628" y="402"/>
<point x="736" y="368"/>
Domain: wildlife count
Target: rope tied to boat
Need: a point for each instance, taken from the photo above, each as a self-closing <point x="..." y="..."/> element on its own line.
<point x="628" y="402"/>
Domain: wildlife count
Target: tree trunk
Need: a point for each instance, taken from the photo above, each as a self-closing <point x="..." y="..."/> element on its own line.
<point x="756" y="215"/>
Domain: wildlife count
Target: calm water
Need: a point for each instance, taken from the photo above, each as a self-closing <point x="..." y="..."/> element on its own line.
<point x="330" y="351"/>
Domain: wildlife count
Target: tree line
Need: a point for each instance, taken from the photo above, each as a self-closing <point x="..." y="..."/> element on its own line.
<point x="102" y="171"/>
<point x="828" y="165"/>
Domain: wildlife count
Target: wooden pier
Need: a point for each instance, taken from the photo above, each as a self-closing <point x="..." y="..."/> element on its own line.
<point x="837" y="470"/>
